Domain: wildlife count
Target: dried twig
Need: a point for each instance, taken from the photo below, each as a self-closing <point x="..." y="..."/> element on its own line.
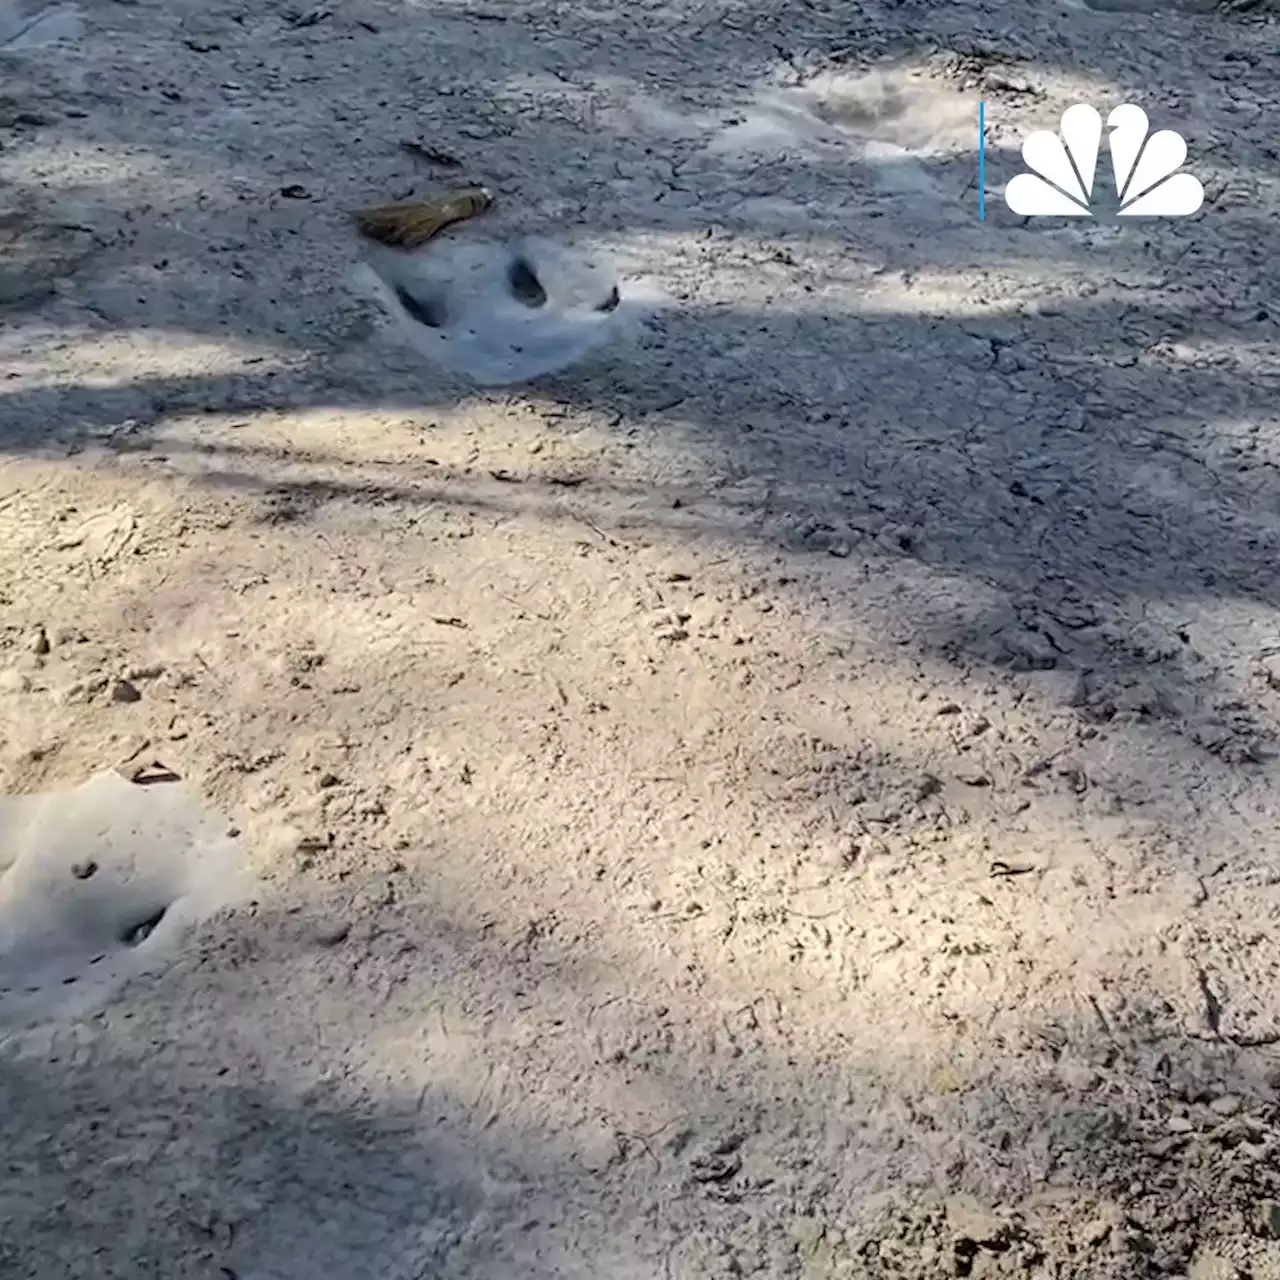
<point x="409" y="224"/>
<point x="432" y="155"/>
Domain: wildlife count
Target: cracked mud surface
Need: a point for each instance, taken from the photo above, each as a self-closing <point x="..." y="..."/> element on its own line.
<point x="799" y="798"/>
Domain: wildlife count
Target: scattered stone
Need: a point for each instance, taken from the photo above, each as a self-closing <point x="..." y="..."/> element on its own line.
<point x="1165" y="1147"/>
<point x="28" y="661"/>
<point x="327" y="780"/>
<point x="1227" y="1105"/>
<point x="1237" y="1131"/>
<point x="308" y="17"/>
<point x="1095" y="1232"/>
<point x="1027" y="650"/>
<point x="125" y="691"/>
<point x="928" y="785"/>
<point x="1079" y="693"/>
<point x="84" y="870"/>
<point x="948" y="1080"/>
<point x="14" y="681"/>
<point x="1075" y="777"/>
<point x="79" y="691"/>
<point x="896" y="539"/>
<point x="304" y="660"/>
<point x="34" y="256"/>
<point x="432" y="155"/>
<point x="823" y="1261"/>
<point x="848" y="851"/>
<point x="1180" y="1124"/>
<point x="382" y="893"/>
<point x="998" y="82"/>
<point x="1266" y="1219"/>
<point x="807" y="1233"/>
<point x="719" y="1164"/>
<point x="973" y="1225"/>
<point x="1269" y="669"/>
<point x="331" y="933"/>
<point x="1213" y="1266"/>
<point x="1074" y="614"/>
<point x="38" y="641"/>
<point x="817" y="536"/>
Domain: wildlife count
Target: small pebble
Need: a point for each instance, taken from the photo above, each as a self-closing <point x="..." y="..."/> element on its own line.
<point x="123" y="691"/>
<point x="1095" y="1232"/>
<point x="14" y="682"/>
<point x="83" y="870"/>
<point x="329" y="935"/>
<point x="1010" y="84"/>
<point x="1266" y="1219"/>
<point x="38" y="642"/>
<point x="382" y="893"/>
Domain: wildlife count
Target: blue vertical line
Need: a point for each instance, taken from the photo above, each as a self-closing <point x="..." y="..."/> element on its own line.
<point x="982" y="161"/>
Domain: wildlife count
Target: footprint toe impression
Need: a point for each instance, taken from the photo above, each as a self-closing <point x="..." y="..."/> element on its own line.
<point x="138" y="932"/>
<point x="524" y="284"/>
<point x="104" y="883"/>
<point x="430" y="312"/>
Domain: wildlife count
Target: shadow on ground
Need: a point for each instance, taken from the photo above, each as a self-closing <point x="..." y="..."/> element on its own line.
<point x="1071" y="468"/>
<point x="1099" y="449"/>
<point x="508" y="1117"/>
<point x="1063" y="467"/>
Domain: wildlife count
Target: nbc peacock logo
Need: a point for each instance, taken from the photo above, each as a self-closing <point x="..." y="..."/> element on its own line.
<point x="1146" y="168"/>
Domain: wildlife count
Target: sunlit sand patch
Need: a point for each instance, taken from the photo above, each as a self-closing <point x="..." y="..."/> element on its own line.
<point x="91" y="166"/>
<point x="76" y="180"/>
<point x="91" y="358"/>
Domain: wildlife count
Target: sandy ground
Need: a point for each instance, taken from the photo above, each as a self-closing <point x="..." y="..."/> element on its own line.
<point x="795" y="797"/>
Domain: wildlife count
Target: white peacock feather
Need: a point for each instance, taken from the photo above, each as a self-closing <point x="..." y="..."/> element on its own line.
<point x="1061" y="179"/>
<point x="1147" y="177"/>
<point x="1060" y="183"/>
